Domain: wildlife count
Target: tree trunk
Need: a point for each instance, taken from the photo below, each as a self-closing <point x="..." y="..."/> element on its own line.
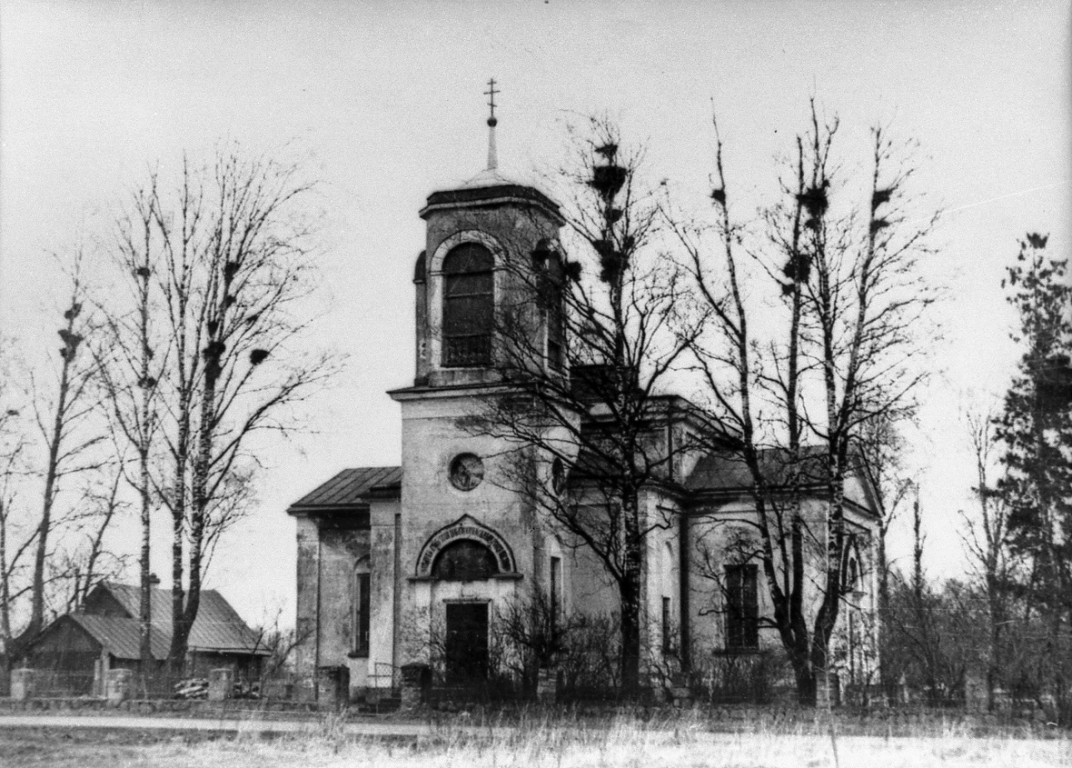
<point x="804" y="673"/>
<point x="5" y="597"/>
<point x="199" y="496"/>
<point x="996" y="618"/>
<point x="37" y="603"/>
<point x="630" y="628"/>
<point x="145" y="608"/>
<point x="177" y="651"/>
<point x="630" y="590"/>
<point x="144" y="435"/>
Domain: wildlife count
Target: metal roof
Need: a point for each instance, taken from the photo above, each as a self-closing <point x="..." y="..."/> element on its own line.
<point x="352" y="488"/>
<point x="717" y="471"/>
<point x="120" y="636"/>
<point x="490" y="188"/>
<point x="218" y="627"/>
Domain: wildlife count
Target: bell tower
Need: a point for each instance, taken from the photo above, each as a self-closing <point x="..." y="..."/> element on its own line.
<point x="488" y="285"/>
<point x="476" y="278"/>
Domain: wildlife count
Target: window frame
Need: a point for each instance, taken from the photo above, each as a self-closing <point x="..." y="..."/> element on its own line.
<point x="555" y="589"/>
<point x="667" y="629"/>
<point x="554" y="290"/>
<point x="445" y="568"/>
<point x="742" y="607"/>
<point x="361" y="610"/>
<point x="456" y="350"/>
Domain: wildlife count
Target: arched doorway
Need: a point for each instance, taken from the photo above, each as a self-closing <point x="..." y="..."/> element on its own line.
<point x="465" y="648"/>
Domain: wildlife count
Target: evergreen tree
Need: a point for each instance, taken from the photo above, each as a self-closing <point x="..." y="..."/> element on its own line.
<point x="1036" y="430"/>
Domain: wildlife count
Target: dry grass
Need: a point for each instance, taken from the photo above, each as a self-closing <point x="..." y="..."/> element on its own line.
<point x="535" y="744"/>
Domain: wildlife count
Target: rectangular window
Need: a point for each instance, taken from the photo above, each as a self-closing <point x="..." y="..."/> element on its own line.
<point x="555" y="332"/>
<point x="468" y="316"/>
<point x="668" y="639"/>
<point x="742" y="607"/>
<point x="555" y="590"/>
<point x="361" y="614"/>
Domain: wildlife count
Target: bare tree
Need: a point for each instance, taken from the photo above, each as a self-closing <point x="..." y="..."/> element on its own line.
<point x="879" y="449"/>
<point x="67" y="432"/>
<point x="986" y="537"/>
<point x="280" y="643"/>
<point x="230" y="256"/>
<point x="89" y="561"/>
<point x="132" y="355"/>
<point x="612" y="322"/>
<point x="800" y="397"/>
<point x="12" y="549"/>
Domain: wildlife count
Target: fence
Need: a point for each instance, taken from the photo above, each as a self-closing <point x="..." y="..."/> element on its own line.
<point x="56" y="684"/>
<point x="51" y="683"/>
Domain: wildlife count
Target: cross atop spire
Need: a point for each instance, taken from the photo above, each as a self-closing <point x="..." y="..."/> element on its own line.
<point x="493" y="160"/>
<point x="491" y="101"/>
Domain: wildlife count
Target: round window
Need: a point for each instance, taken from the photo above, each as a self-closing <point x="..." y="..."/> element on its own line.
<point x="466" y="471"/>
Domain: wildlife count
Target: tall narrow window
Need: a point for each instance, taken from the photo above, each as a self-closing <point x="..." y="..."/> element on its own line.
<point x="742" y="607"/>
<point x="555" y="591"/>
<point x="468" y="306"/>
<point x="852" y="576"/>
<point x="361" y="610"/>
<point x="556" y="332"/>
<point x="668" y="639"/>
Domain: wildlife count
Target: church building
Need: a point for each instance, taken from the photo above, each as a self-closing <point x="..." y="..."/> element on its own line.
<point x="417" y="563"/>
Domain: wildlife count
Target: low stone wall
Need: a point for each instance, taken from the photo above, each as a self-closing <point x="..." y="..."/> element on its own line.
<point x="181" y="707"/>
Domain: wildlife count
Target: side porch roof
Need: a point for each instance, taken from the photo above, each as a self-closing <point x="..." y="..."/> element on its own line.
<point x="351" y="490"/>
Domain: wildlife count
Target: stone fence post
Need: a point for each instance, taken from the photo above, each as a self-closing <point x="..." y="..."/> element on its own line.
<point x="547" y="685"/>
<point x="332" y="687"/>
<point x="119" y="685"/>
<point x="23" y="684"/>
<point x="416" y="682"/>
<point x="220" y="684"/>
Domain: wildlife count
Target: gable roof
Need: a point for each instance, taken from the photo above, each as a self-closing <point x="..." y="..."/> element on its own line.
<point x="118" y="635"/>
<point x="218" y="627"/>
<point x="350" y="489"/>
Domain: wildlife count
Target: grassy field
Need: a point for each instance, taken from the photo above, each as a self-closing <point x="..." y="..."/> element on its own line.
<point x="535" y="745"/>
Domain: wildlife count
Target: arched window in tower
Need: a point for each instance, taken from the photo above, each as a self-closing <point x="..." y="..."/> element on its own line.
<point x="465" y="560"/>
<point x="468" y="306"/>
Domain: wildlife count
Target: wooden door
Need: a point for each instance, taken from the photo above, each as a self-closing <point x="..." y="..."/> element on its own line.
<point x="467" y="643"/>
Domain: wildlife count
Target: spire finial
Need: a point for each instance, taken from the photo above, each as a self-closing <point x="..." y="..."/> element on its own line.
<point x="493" y="160"/>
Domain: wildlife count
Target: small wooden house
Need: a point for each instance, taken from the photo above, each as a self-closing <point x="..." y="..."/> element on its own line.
<point x="79" y="648"/>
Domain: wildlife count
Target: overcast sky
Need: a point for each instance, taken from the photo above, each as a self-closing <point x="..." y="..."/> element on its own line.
<point x="387" y="101"/>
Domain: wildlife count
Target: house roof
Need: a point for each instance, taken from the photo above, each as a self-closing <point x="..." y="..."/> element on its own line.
<point x="218" y="627"/>
<point x="351" y="488"/>
<point x="120" y="635"/>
